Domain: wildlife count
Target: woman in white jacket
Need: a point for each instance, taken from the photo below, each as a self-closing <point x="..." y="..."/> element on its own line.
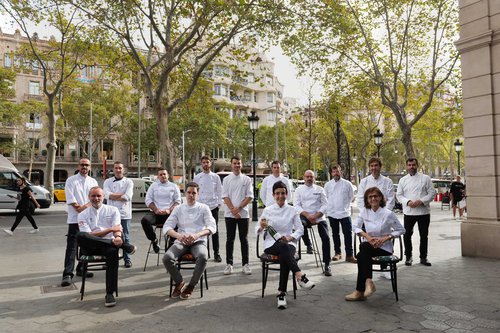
<point x="284" y="220"/>
<point x="377" y="226"/>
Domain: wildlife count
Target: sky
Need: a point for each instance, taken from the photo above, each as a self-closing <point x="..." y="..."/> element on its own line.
<point x="296" y="87"/>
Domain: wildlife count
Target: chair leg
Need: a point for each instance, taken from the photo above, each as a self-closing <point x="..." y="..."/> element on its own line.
<point x="171" y="287"/>
<point x="294" y="286"/>
<point x="317" y="254"/>
<point x="201" y="284"/>
<point x="264" y="278"/>
<point x="394" y="280"/>
<point x="147" y="256"/>
<point x="206" y="279"/>
<point x="159" y="244"/>
<point x="84" y="274"/>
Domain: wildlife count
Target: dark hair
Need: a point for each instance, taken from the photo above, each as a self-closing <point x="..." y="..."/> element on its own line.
<point x="193" y="184"/>
<point x="23" y="179"/>
<point x="161" y="169"/>
<point x="378" y="192"/>
<point x="334" y="166"/>
<point x="117" y="162"/>
<point x="275" y="162"/>
<point x="205" y="157"/>
<point x="375" y="160"/>
<point x="235" y="158"/>
<point x="279" y="184"/>
<point x="411" y="159"/>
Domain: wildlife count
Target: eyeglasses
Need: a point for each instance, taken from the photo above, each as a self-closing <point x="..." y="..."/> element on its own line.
<point x="85" y="165"/>
<point x="373" y="196"/>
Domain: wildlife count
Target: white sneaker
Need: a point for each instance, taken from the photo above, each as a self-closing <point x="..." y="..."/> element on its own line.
<point x="34" y="231"/>
<point x="228" y="270"/>
<point x="246" y="270"/>
<point x="281" y="301"/>
<point x="8" y="231"/>
<point x="386" y="275"/>
<point x="305" y="283"/>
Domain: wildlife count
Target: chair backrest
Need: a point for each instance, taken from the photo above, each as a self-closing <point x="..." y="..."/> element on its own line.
<point x="399" y="253"/>
<point x="258" y="252"/>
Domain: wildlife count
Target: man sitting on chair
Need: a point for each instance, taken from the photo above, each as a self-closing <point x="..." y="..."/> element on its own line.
<point x="194" y="222"/>
<point x="101" y="234"/>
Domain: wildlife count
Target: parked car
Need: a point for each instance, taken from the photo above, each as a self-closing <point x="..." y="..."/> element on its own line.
<point x="59" y="193"/>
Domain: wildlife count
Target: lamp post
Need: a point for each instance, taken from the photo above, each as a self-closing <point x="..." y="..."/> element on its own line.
<point x="458" y="149"/>
<point x="183" y="160"/>
<point x="378" y="140"/>
<point x="253" y="123"/>
<point x="354" y="159"/>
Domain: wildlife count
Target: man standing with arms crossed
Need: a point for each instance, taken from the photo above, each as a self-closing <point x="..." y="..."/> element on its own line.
<point x="415" y="192"/>
<point x="237" y="192"/>
<point x="310" y="202"/>
<point x="118" y="191"/>
<point x="162" y="197"/>
<point x="210" y="195"/>
<point x="339" y="194"/>
<point x="375" y="179"/>
<point x="77" y="190"/>
<point x="266" y="190"/>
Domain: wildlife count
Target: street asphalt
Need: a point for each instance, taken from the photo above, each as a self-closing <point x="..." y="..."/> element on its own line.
<point x="456" y="294"/>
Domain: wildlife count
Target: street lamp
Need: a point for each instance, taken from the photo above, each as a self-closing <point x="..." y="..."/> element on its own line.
<point x="183" y="160"/>
<point x="354" y="159"/>
<point x="458" y="149"/>
<point x="253" y="123"/>
<point x="378" y="140"/>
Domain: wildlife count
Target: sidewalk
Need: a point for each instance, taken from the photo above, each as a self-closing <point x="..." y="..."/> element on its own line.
<point x="456" y="294"/>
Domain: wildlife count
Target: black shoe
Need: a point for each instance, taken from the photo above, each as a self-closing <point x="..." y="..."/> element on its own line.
<point x="130" y="249"/>
<point x="310" y="250"/>
<point x="217" y="258"/>
<point x="109" y="300"/>
<point x="425" y="262"/>
<point x="328" y="270"/>
<point x="409" y="261"/>
<point x="88" y="275"/>
<point x="156" y="248"/>
<point x="66" y="281"/>
<point x="128" y="263"/>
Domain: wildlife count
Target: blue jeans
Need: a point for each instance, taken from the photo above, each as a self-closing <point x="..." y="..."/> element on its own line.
<point x="126" y="236"/>
<point x="346" y="230"/>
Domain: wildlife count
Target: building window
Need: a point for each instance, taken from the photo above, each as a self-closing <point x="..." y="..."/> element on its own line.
<point x="247" y="96"/>
<point x="220" y="90"/>
<point x="270" y="97"/>
<point x="269" y="80"/>
<point x="7" y="60"/>
<point x="251" y="78"/>
<point x="107" y="149"/>
<point x="271" y="115"/>
<point x="255" y="99"/>
<point x="34" y="88"/>
<point x="220" y="70"/>
<point x="59" y="149"/>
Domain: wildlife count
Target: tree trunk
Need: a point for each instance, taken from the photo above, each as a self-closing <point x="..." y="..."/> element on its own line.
<point x="407" y="142"/>
<point x="165" y="149"/>
<point x="51" y="146"/>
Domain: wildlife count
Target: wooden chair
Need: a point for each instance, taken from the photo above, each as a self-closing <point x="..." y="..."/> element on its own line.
<point x="272" y="263"/>
<point x="188" y="261"/>
<point x="388" y="263"/>
<point x="93" y="263"/>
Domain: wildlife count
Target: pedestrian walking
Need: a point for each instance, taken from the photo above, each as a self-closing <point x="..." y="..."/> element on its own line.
<point x="24" y="207"/>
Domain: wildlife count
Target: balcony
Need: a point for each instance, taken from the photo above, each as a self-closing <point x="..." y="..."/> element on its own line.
<point x="28" y="97"/>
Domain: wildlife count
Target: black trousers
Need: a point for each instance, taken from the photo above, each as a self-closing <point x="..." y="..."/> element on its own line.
<point x="215" y="236"/>
<point x="366" y="252"/>
<point x="149" y="221"/>
<point x="93" y="245"/>
<point x="242" y="225"/>
<point x="22" y="212"/>
<point x="423" y="222"/>
<point x="70" y="255"/>
<point x="286" y="252"/>
<point x="323" y="234"/>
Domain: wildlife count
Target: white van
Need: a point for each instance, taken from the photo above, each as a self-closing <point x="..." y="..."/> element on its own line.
<point x="141" y="186"/>
<point x="9" y="190"/>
